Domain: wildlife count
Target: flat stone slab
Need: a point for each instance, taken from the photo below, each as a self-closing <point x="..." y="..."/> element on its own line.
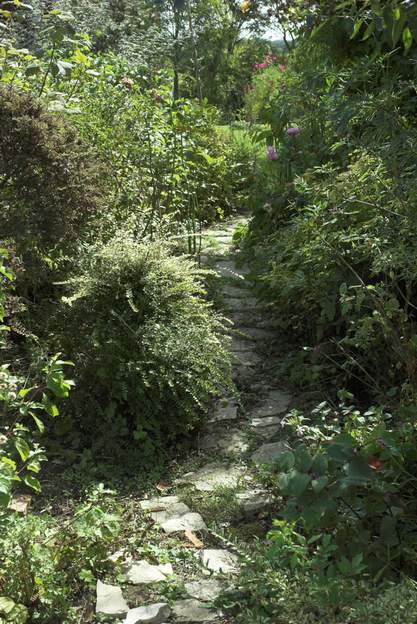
<point x="110" y="600"/>
<point x="142" y="572"/>
<point x="212" y="476"/>
<point x="227" y="268"/>
<point x="266" y="427"/>
<point x="247" y="358"/>
<point x="164" y="508"/>
<point x="253" y="502"/>
<point x="226" y="409"/>
<point x="206" y="590"/>
<point x="255" y="333"/>
<point x="187" y="522"/>
<point x="275" y="403"/>
<point x="247" y="318"/>
<point x="240" y="345"/>
<point x="230" y="441"/>
<point x="151" y="614"/>
<point x="229" y="290"/>
<point x="220" y="561"/>
<point x="248" y="303"/>
<point x="192" y="610"/>
<point x="269" y="453"/>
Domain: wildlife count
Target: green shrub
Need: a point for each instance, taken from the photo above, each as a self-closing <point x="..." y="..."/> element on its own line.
<point x="50" y="182"/>
<point x="48" y="566"/>
<point x="27" y="397"/>
<point x="269" y="591"/>
<point x="148" y="349"/>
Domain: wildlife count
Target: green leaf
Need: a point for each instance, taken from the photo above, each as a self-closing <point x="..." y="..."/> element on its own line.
<point x="22" y="447"/>
<point x="369" y="31"/>
<point x="319" y="484"/>
<point x="297" y="483"/>
<point x="320" y="464"/>
<point x="407" y="38"/>
<point x="32" y="482"/>
<point x="356" y="28"/>
<point x="38" y="422"/>
<point x="303" y="459"/>
<point x="286" y="460"/>
<point x="6" y="605"/>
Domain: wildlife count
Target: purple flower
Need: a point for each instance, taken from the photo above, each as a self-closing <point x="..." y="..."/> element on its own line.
<point x="293" y="131"/>
<point x="271" y="153"/>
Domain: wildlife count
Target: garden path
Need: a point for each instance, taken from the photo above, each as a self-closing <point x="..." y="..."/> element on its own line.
<point x="242" y="432"/>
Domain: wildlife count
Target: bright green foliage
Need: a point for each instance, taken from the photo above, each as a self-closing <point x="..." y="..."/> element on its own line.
<point x="24" y="406"/>
<point x="148" y="349"/>
<point x="170" y="170"/>
<point x="47" y="565"/>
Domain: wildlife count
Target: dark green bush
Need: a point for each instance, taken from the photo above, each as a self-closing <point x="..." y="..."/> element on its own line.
<point x="50" y="182"/>
<point x="148" y="349"/>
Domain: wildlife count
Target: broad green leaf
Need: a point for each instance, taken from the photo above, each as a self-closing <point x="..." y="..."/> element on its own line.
<point x="32" y="482"/>
<point x="407" y="39"/>
<point x="297" y="483"/>
<point x="319" y="484"/>
<point x="303" y="459"/>
<point x="6" y="605"/>
<point x="286" y="460"/>
<point x="356" y="28"/>
<point x="22" y="448"/>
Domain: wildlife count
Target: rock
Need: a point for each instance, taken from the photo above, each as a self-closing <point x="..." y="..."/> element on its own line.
<point x="239" y="305"/>
<point x="191" y="610"/>
<point x="266" y="427"/>
<point x="274" y="404"/>
<point x="206" y="590"/>
<point x="227" y="268"/>
<point x="166" y="568"/>
<point x="268" y="421"/>
<point x="110" y="600"/>
<point x="222" y="561"/>
<point x="255" y="333"/>
<point x="212" y="476"/>
<point x="164" y="508"/>
<point x="20" y="503"/>
<point x="269" y="453"/>
<point x="187" y="522"/>
<point x="149" y="504"/>
<point x="246" y="358"/>
<point x="253" y="502"/>
<point x="240" y="345"/>
<point x="151" y="614"/>
<point x="142" y="572"/>
<point x="229" y="290"/>
<point x="231" y="441"/>
<point x="226" y="409"/>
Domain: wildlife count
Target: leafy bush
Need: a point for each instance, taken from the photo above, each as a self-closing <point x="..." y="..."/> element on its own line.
<point x="48" y="566"/>
<point x="148" y="350"/>
<point x="271" y="591"/>
<point x="24" y="402"/>
<point x="350" y="478"/>
<point x="50" y="183"/>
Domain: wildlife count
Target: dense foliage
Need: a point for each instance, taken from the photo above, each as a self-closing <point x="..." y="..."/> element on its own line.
<point x="332" y="247"/>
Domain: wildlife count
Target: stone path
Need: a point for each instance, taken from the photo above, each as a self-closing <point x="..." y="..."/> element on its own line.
<point x="236" y="441"/>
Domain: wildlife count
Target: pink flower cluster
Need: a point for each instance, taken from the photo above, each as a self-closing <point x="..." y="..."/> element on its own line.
<point x="270" y="59"/>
